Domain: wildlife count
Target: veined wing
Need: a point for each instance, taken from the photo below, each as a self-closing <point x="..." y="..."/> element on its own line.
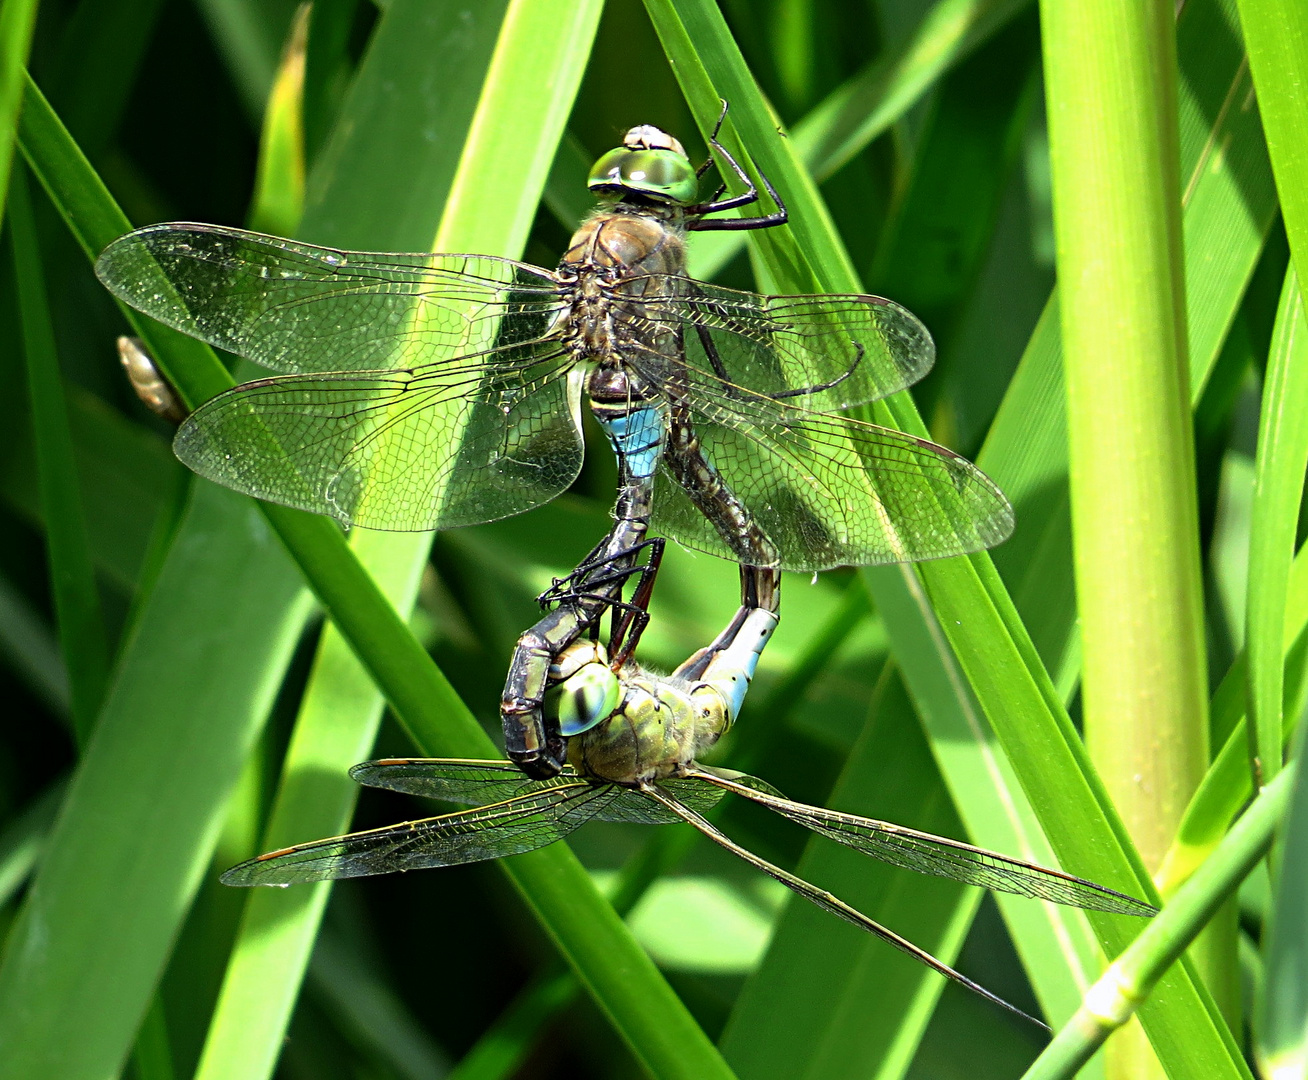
<point x="937" y="855"/>
<point x="481" y="782"/>
<point x="485" y="832"/>
<point x="830" y="490"/>
<point x="832" y="904"/>
<point x="826" y="352"/>
<point x="409" y="450"/>
<point x="458" y="780"/>
<point x="300" y="308"/>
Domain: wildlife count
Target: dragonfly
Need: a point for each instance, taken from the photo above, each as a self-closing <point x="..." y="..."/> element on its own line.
<point x="633" y="739"/>
<point x="427" y="391"/>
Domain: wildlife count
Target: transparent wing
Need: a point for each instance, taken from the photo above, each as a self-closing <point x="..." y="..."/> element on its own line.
<point x="299" y="308"/>
<point x="425" y="448"/>
<point x="842" y="349"/>
<point x="832" y="904"/>
<point x="937" y="855"/>
<point x="457" y="780"/>
<point x="485" y="832"/>
<point x="827" y="489"/>
<point x="481" y="782"/>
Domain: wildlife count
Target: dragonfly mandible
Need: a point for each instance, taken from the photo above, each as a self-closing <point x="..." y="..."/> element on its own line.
<point x="633" y="739"/>
<point x="429" y="390"/>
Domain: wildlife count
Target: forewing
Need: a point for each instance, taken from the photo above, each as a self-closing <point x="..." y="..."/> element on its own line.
<point x="940" y="856"/>
<point x="300" y="308"/>
<point x="409" y="450"/>
<point x="829" y="490"/>
<point x="826" y="352"/>
<point x="484" y="832"/>
<point x="473" y="783"/>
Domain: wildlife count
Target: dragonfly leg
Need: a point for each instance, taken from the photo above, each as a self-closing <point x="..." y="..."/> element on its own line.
<point x="819" y="387"/>
<point x="532" y="740"/>
<point x="716" y="205"/>
<point x="629" y="617"/>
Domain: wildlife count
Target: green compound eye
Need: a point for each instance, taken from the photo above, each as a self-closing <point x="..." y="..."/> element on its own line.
<point x="658" y="174"/>
<point x="586" y="698"/>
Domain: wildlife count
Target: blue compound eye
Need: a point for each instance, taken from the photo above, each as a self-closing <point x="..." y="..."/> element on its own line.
<point x="587" y="698"/>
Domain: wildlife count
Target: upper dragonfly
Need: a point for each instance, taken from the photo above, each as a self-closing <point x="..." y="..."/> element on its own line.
<point x="431" y="390"/>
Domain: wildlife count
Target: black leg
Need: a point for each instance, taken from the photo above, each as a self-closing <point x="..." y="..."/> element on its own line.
<point x="750" y="195"/>
<point x="804" y="390"/>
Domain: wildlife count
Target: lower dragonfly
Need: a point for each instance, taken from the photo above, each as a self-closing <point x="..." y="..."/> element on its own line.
<point x="427" y="390"/>
<point x="632" y="745"/>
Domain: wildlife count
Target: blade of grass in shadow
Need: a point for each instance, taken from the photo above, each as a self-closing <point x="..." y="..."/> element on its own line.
<point x="31" y="651"/>
<point x="1276" y="35"/>
<point x="828" y="1001"/>
<point x="368" y="1010"/>
<point x="976" y="614"/>
<point x="195" y="971"/>
<point x="91" y="75"/>
<point x="279" y="175"/>
<point x="1278" y="489"/>
<point x="17" y="23"/>
<point x="80" y="624"/>
<point x="25" y="836"/>
<point x="855" y="114"/>
<point x="612" y="966"/>
<point x="143" y="808"/>
<point x="1280" y="1038"/>
<point x="1133" y="977"/>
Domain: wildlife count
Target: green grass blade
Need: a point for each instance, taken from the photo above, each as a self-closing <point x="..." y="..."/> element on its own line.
<point x="1278" y="489"/>
<point x="17" y="23"/>
<point x="81" y="627"/>
<point x="341" y="708"/>
<point x="1118" y="229"/>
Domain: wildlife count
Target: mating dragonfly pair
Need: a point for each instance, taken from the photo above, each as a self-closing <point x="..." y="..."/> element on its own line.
<point x="426" y="391"/>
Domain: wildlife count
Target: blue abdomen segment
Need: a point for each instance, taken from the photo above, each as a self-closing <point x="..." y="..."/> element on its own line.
<point x="731" y="671"/>
<point x="637" y="438"/>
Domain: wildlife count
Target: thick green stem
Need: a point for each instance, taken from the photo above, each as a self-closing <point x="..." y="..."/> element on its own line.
<point x="1111" y="83"/>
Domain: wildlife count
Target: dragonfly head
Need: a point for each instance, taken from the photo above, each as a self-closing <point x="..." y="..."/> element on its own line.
<point x="585" y="690"/>
<point x="650" y="165"/>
